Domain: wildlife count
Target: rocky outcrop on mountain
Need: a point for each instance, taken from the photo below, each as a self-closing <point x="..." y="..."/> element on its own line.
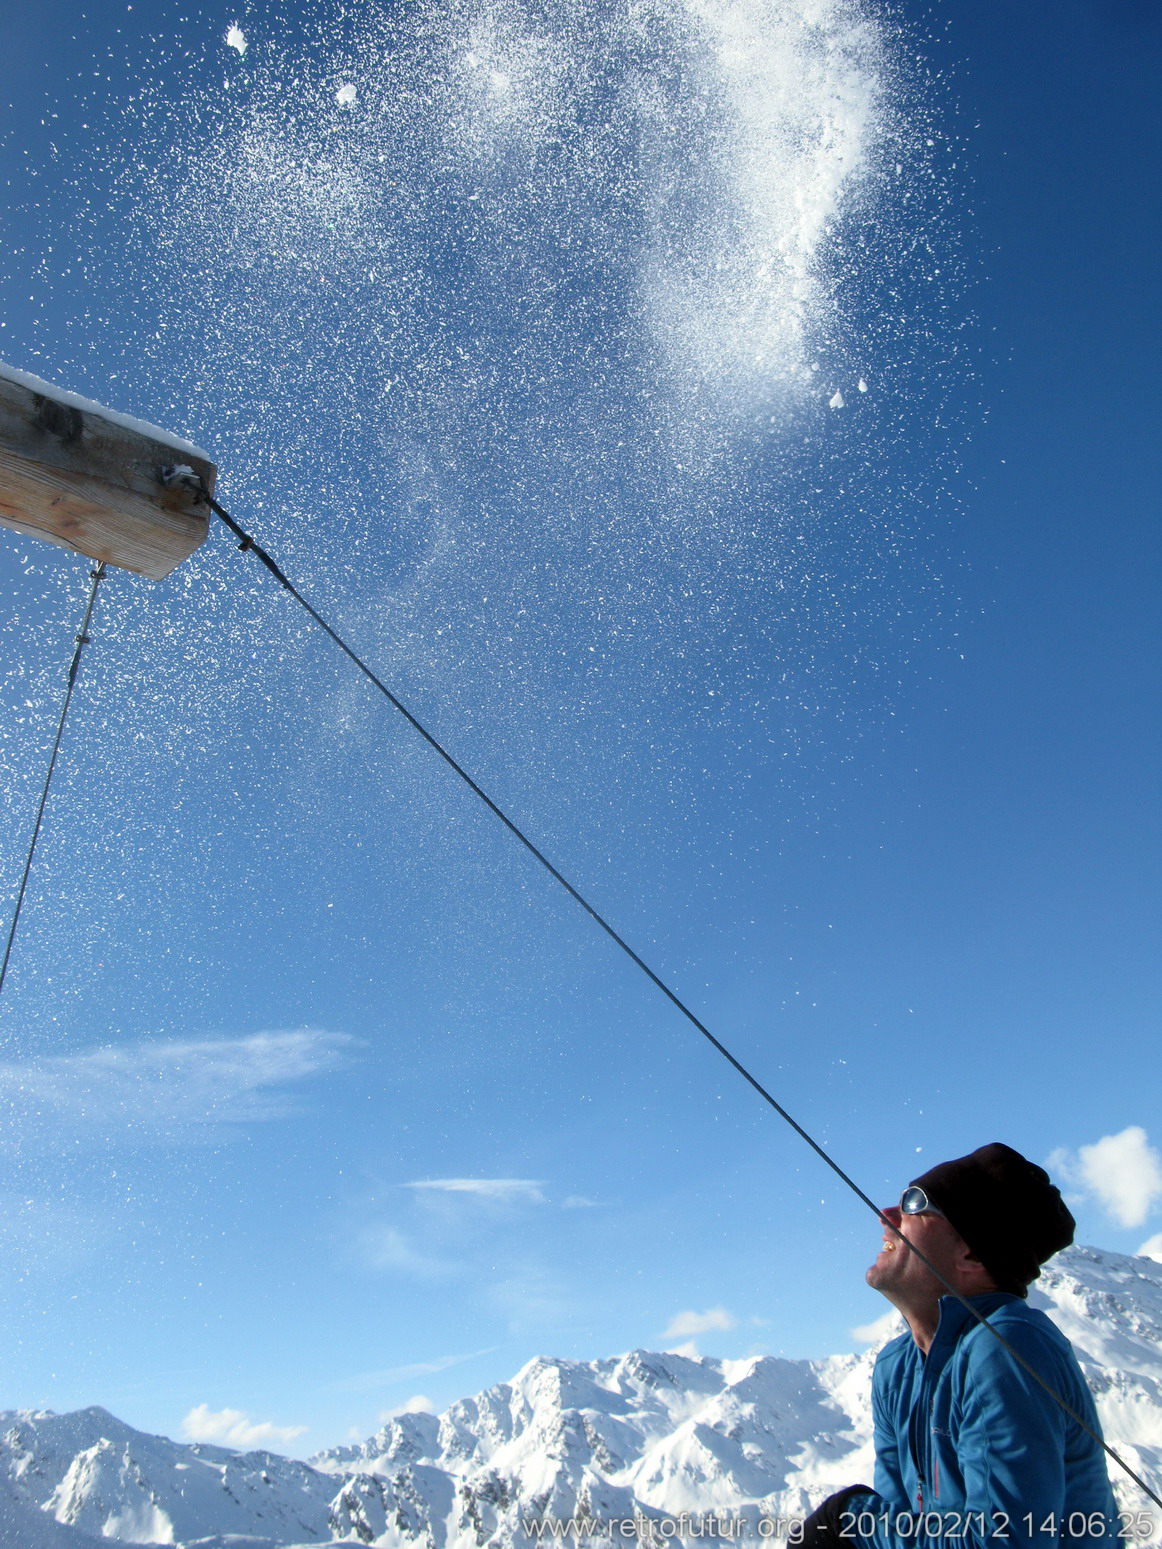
<point x="643" y="1434"/>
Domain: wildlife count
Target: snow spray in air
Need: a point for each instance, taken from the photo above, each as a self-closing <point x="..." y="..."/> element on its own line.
<point x="568" y="354"/>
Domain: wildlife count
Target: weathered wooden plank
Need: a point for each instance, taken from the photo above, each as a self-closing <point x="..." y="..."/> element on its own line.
<point x="88" y="479"/>
<point x="91" y="517"/>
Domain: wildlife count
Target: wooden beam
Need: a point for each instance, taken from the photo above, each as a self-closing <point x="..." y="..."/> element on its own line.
<point x="89" y="480"/>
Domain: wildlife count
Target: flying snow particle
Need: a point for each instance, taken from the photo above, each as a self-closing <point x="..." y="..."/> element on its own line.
<point x="862" y="385"/>
<point x="236" y="38"/>
<point x="345" y="96"/>
<point x="836" y="400"/>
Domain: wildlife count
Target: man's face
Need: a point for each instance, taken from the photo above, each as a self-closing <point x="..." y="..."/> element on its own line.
<point x="902" y="1277"/>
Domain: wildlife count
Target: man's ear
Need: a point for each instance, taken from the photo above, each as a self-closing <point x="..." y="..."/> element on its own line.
<point x="973" y="1269"/>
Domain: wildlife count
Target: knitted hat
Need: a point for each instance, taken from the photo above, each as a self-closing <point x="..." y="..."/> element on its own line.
<point x="1006" y="1210"/>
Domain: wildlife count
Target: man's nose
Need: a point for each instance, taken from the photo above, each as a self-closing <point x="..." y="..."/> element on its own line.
<point x="893" y="1214"/>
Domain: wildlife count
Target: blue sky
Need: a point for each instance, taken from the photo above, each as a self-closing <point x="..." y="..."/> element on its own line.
<point x="318" y="1097"/>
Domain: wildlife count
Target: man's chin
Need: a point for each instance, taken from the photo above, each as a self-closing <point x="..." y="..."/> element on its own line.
<point x="877" y="1275"/>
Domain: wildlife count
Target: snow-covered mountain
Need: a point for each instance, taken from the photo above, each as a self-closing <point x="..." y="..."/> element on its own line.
<point x="92" y="1472"/>
<point x="644" y="1433"/>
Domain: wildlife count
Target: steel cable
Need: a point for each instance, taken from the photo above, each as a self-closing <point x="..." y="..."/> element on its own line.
<point x="247" y="543"/>
<point x="82" y="641"/>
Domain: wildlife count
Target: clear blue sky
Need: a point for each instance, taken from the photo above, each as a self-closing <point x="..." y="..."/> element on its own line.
<point x="847" y="716"/>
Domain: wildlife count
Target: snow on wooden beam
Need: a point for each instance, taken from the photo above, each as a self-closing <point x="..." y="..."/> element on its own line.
<point x="88" y="479"/>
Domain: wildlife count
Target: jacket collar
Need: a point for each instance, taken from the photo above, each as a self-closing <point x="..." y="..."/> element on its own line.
<point x="954" y="1319"/>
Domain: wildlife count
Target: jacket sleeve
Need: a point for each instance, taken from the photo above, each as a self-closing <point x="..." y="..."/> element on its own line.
<point x="867" y="1517"/>
<point x="1013" y="1445"/>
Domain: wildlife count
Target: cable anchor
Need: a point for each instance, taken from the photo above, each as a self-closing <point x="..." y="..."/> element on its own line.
<point x="182" y="476"/>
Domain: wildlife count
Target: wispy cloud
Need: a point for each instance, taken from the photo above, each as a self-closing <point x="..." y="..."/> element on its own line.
<point x="472" y="1230"/>
<point x="163" y="1090"/>
<point x="1152" y="1247"/>
<point x="530" y="1296"/>
<point x="234" y="1428"/>
<point x="42" y="1235"/>
<point x="686" y="1324"/>
<point x="386" y="1247"/>
<point x="508" y="1190"/>
<point x="1123" y="1172"/>
<point x="363" y="1381"/>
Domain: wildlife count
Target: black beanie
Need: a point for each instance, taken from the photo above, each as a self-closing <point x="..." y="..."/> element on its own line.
<point x="1006" y="1210"/>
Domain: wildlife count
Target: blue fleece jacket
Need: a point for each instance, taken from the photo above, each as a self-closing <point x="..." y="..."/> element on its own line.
<point x="971" y="1453"/>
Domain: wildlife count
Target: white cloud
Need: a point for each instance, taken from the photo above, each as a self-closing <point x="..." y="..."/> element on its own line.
<point x="234" y="1428"/>
<point x="1152" y="1247"/>
<point x="579" y="1202"/>
<point x="700" y="1323"/>
<point x="236" y="38"/>
<point x="879" y="1329"/>
<point x="418" y="1404"/>
<point x="162" y="1090"/>
<point x="506" y="1189"/>
<point x="690" y="1350"/>
<point x="1123" y="1172"/>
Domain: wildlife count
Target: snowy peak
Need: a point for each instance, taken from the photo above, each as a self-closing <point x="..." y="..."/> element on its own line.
<point x="1108" y="1304"/>
<point x="90" y="1471"/>
<point x="408" y="1438"/>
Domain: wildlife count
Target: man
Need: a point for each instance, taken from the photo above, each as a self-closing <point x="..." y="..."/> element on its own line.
<point x="971" y="1453"/>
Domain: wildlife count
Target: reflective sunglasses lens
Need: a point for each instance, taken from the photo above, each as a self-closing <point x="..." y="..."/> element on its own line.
<point x="914" y="1201"/>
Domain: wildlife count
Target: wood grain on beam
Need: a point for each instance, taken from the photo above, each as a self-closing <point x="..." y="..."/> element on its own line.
<point x="92" y="485"/>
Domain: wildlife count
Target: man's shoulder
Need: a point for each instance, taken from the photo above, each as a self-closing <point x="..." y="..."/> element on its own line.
<point x="893" y="1353"/>
<point x="1026" y="1329"/>
<point x="1016" y="1319"/>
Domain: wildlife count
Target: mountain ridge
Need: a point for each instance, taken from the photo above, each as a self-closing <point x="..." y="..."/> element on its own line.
<point x="647" y="1433"/>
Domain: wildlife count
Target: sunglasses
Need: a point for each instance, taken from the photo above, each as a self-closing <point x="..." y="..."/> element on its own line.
<point x="914" y="1202"/>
